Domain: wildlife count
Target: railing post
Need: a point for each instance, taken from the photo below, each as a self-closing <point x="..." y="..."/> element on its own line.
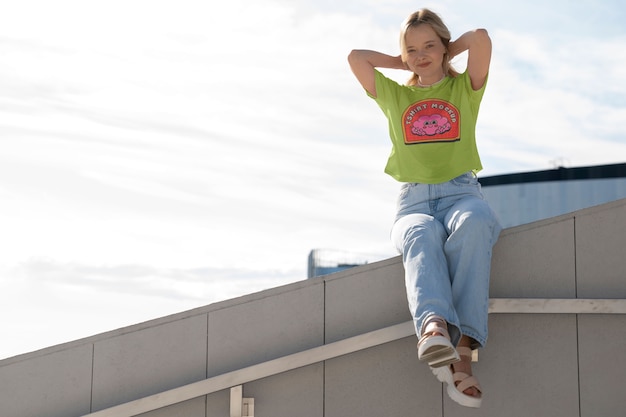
<point x="239" y="406"/>
<point x="236" y="401"/>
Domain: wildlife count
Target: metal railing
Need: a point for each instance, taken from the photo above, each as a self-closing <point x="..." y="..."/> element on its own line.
<point x="346" y="346"/>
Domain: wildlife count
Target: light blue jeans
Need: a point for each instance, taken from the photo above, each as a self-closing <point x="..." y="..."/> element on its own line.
<point x="445" y="233"/>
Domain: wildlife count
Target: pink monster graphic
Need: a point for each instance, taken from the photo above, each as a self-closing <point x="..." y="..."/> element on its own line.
<point x="430" y="125"/>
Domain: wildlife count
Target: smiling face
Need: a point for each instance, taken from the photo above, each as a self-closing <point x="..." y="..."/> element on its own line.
<point x="424" y="52"/>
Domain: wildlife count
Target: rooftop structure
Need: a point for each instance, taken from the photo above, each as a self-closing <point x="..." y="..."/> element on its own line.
<point x="526" y="197"/>
<point x="343" y="344"/>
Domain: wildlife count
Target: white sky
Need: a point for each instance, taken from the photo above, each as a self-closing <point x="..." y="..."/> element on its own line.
<point x="157" y="156"/>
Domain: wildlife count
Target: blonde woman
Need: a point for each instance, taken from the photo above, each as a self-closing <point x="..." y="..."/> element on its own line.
<point x="444" y="228"/>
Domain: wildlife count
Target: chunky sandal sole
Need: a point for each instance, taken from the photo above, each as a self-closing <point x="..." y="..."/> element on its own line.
<point x="437" y="351"/>
<point x="434" y="346"/>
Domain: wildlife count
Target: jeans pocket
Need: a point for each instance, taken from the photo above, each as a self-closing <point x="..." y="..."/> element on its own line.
<point x="464" y="180"/>
<point x="404" y="191"/>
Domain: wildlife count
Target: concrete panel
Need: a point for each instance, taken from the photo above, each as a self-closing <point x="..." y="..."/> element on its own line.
<point x="601" y="251"/>
<point x="149" y="361"/>
<point x="386" y="380"/>
<point x="529" y="367"/>
<point x="53" y="385"/>
<point x="295" y="393"/>
<point x="531" y="363"/>
<point x="602" y="339"/>
<point x="218" y="404"/>
<point x="537" y="260"/>
<point x="364" y="299"/>
<point x="267" y="328"/>
<point x="192" y="408"/>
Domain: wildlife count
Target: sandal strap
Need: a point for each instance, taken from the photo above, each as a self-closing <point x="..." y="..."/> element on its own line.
<point x="464" y="351"/>
<point x="433" y="326"/>
<point x="466" y="381"/>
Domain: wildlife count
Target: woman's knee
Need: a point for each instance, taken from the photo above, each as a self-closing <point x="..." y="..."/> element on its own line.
<point x="417" y="227"/>
<point x="473" y="214"/>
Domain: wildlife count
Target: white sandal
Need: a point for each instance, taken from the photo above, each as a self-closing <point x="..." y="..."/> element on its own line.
<point x="455" y="392"/>
<point x="434" y="346"/>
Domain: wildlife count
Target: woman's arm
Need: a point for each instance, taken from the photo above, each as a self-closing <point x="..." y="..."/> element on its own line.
<point x="363" y="62"/>
<point x="478" y="44"/>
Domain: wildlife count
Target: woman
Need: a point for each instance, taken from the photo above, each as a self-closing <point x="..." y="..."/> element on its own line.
<point x="444" y="228"/>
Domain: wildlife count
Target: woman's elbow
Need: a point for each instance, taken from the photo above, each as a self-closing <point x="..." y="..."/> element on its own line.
<point x="482" y="35"/>
<point x="353" y="55"/>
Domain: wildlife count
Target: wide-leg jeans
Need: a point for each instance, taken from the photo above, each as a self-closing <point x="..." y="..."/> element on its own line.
<point x="445" y="233"/>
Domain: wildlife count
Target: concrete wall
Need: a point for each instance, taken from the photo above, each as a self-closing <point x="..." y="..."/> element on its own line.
<point x="548" y="365"/>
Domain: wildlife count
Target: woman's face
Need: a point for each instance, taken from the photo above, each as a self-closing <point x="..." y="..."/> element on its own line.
<point x="424" y="51"/>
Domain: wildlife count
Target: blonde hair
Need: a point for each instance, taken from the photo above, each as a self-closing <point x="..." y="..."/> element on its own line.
<point x="428" y="17"/>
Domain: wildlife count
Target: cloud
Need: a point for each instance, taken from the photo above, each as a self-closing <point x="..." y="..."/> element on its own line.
<point x="547" y="101"/>
<point x="189" y="286"/>
<point x="59" y="302"/>
<point x="168" y="154"/>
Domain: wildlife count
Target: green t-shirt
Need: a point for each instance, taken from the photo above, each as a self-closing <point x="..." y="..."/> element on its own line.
<point x="432" y="129"/>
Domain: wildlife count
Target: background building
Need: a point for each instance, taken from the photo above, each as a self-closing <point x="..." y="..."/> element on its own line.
<point x="327" y="261"/>
<point x="530" y="196"/>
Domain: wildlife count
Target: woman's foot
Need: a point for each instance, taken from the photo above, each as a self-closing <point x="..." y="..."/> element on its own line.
<point x="434" y="346"/>
<point x="464" y="381"/>
<point x="462" y="387"/>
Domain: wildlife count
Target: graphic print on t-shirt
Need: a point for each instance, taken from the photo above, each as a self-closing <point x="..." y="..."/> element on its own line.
<point x="429" y="121"/>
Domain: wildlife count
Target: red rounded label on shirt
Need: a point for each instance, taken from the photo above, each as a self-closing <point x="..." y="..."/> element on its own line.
<point x="431" y="121"/>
